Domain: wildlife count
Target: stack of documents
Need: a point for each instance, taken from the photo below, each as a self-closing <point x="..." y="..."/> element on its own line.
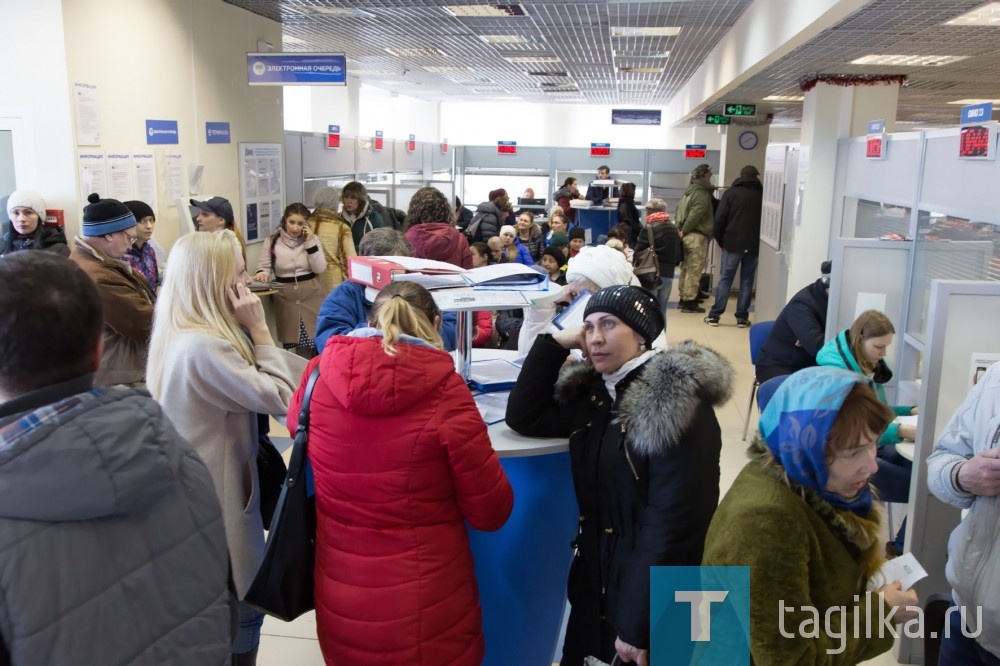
<point x="498" y="276"/>
<point x="493" y="375"/>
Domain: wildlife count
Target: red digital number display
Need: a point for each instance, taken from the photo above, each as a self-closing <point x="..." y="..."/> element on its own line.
<point x="874" y="147"/>
<point x="333" y="141"/>
<point x="378" y="143"/>
<point x="600" y="152"/>
<point x="974" y="141"/>
<point x="695" y="154"/>
<point x="506" y="150"/>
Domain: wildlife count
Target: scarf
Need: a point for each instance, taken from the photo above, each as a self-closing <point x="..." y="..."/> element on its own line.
<point x="652" y="218"/>
<point x="796" y="425"/>
<point x="289" y="240"/>
<point x="611" y="379"/>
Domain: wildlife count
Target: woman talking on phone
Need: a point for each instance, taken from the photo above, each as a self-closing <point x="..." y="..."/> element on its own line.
<point x="212" y="381"/>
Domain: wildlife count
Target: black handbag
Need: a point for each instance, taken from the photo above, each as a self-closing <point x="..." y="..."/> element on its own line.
<point x="271" y="473"/>
<point x="283" y="586"/>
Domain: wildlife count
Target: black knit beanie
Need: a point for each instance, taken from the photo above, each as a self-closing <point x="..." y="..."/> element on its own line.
<point x="633" y="305"/>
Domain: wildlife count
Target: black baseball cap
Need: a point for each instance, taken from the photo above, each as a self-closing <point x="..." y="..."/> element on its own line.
<point x="217" y="205"/>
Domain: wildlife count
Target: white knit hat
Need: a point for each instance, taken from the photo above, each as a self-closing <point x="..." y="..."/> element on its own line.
<point x="602" y="265"/>
<point x="26" y="199"/>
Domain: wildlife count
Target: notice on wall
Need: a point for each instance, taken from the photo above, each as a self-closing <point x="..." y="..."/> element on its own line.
<point x="120" y="177"/>
<point x="981" y="362"/>
<point x="774" y="196"/>
<point x="144" y="165"/>
<point x="262" y="193"/>
<point x="93" y="174"/>
<point x="869" y="301"/>
<point x="196" y="178"/>
<point x="174" y="176"/>
<point x="88" y="125"/>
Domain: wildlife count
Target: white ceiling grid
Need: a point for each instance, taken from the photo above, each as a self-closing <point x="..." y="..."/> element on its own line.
<point x="585" y="64"/>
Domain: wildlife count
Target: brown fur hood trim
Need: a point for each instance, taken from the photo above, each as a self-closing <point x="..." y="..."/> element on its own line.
<point x="660" y="403"/>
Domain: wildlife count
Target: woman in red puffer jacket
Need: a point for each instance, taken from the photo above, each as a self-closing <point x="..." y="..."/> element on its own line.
<point x="401" y="459"/>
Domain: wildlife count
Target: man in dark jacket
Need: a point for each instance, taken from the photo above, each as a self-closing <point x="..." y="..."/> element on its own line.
<point x="490" y="216"/>
<point x="112" y="546"/>
<point x="799" y="331"/>
<point x="598" y="194"/>
<point x="737" y="231"/>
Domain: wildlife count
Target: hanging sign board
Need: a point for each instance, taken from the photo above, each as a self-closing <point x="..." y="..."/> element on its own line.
<point x="333" y="136"/>
<point x="716" y="119"/>
<point x="296" y="69"/>
<point x="377" y="144"/>
<point x="506" y="147"/>
<point x="600" y="149"/>
<point x="977" y="140"/>
<point x="876" y="144"/>
<point x="731" y="109"/>
<point x="695" y="151"/>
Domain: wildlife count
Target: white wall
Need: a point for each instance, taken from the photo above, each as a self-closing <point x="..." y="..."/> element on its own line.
<point x="181" y="60"/>
<point x="399" y="116"/>
<point x="565" y="125"/>
<point x="36" y="99"/>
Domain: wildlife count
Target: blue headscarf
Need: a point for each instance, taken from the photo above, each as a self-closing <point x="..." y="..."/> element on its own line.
<point x="796" y="425"/>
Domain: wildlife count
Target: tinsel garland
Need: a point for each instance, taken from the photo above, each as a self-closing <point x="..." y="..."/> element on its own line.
<point x="807" y="83"/>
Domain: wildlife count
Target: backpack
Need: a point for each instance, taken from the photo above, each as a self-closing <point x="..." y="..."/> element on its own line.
<point x="473" y="228"/>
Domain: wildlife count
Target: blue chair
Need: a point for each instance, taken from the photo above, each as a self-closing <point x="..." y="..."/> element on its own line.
<point x="766" y="391"/>
<point x="758" y="334"/>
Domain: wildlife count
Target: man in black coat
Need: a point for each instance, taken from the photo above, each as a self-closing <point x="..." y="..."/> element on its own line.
<point x="737" y="231"/>
<point x="799" y="331"/>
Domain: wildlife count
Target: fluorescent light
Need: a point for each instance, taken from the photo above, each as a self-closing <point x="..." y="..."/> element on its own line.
<point x="645" y="32"/>
<point x="966" y="102"/>
<point x="521" y="59"/>
<point x="550" y="73"/>
<point x="986" y="15"/>
<point x="641" y="54"/>
<point x="509" y="39"/>
<point x="415" y="53"/>
<point x="908" y="60"/>
<point x="332" y="11"/>
<point x="484" y="11"/>
<point x="288" y="39"/>
<point x="640" y="70"/>
<point x="447" y="69"/>
<point x="784" y="98"/>
<point x="568" y="85"/>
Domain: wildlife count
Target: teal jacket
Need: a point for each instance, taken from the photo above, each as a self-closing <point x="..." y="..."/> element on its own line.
<point x="830" y="355"/>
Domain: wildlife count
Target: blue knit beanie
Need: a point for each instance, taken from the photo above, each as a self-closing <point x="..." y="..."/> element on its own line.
<point x="106" y="216"/>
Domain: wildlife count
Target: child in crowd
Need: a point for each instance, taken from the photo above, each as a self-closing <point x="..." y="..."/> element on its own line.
<point x="141" y="256"/>
<point x="480" y="255"/>
<point x="513" y="251"/>
<point x="554" y="263"/>
<point x="577" y="239"/>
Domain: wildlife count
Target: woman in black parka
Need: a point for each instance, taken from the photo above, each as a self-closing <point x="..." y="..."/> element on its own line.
<point x="644" y="447"/>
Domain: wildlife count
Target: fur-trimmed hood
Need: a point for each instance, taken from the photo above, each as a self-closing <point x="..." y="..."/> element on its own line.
<point x="661" y="396"/>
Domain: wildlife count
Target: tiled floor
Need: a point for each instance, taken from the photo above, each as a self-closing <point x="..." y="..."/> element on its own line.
<point x="295" y="644"/>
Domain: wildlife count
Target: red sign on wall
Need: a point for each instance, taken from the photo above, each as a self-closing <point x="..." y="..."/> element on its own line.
<point x="506" y="147"/>
<point x="378" y="140"/>
<point x="600" y="150"/>
<point x="411" y="144"/>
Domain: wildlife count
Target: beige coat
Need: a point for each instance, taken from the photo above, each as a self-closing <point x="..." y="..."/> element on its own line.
<point x="212" y="396"/>
<point x="338" y="244"/>
<point x="299" y="299"/>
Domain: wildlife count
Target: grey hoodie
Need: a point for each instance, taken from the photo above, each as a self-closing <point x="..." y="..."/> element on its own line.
<point x="112" y="546"/>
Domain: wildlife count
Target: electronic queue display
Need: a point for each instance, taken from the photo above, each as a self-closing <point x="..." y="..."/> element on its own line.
<point x="874" y="147"/>
<point x="506" y="147"/>
<point x="974" y="141"/>
<point x="600" y="150"/>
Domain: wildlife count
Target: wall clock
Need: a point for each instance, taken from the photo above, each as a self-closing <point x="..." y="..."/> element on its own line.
<point x="748" y="140"/>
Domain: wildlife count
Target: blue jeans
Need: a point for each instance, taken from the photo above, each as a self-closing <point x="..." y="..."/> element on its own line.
<point x="662" y="293"/>
<point x="957" y="649"/>
<point x="248" y="635"/>
<point x="747" y="264"/>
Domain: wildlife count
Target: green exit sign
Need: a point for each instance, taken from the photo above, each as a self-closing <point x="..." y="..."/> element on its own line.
<point x="716" y="119"/>
<point x="740" y="109"/>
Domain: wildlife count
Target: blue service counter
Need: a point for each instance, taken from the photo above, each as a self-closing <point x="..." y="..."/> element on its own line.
<point x="598" y="219"/>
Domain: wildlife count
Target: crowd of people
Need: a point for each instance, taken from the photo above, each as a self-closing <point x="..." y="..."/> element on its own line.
<point x="135" y="387"/>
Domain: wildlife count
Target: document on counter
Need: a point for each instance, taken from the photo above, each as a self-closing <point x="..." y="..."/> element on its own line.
<point x="492" y="406"/>
<point x="494" y="374"/>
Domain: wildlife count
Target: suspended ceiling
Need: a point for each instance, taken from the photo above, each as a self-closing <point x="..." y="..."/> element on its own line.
<point x="549" y="51"/>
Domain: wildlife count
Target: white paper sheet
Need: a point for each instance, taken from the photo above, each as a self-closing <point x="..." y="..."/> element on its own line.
<point x="904" y="568"/>
<point x="174" y="176"/>
<point x="869" y="301"/>
<point x="93" y="173"/>
<point x="88" y="126"/>
<point x="120" y="177"/>
<point x="144" y="165"/>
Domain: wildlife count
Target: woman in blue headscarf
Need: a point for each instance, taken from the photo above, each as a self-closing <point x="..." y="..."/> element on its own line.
<point x="800" y="515"/>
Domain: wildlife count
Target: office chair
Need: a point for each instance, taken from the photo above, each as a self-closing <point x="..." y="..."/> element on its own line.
<point x="758" y="334"/>
<point x="766" y="391"/>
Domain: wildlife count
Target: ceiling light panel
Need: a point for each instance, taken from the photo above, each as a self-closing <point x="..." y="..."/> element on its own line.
<point x="645" y="32"/>
<point x="784" y="98"/>
<point x="484" y="11"/>
<point x="642" y="54"/>
<point x="908" y="60"/>
<point x="640" y="70"/>
<point x="505" y="40"/>
<point x="447" y="69"/>
<point x="332" y="11"/>
<point x="550" y="73"/>
<point x="415" y="52"/>
<point x="987" y="15"/>
<point x="525" y="59"/>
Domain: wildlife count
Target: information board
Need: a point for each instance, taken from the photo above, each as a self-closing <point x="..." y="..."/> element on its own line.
<point x="261" y="190"/>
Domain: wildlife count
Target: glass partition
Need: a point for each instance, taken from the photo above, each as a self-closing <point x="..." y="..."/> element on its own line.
<point x="874" y="219"/>
<point x="478" y="185"/>
<point x="310" y="185"/>
<point x="949" y="248"/>
<point x="584" y="176"/>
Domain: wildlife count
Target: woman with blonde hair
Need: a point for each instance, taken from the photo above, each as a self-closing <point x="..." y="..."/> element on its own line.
<point x="212" y="381"/>
<point x="293" y="255"/>
<point x="401" y="460"/>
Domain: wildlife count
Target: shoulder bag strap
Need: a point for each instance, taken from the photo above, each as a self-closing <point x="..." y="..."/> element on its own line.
<point x="302" y="431"/>
<point x="649" y="235"/>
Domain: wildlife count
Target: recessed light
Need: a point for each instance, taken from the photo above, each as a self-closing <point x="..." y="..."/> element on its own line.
<point x="447" y="69"/>
<point x="549" y="73"/>
<point x="784" y="98"/>
<point x="415" y="53"/>
<point x="986" y="15"/>
<point x="332" y="11"/>
<point x="645" y="32"/>
<point x="642" y="54"/>
<point x="500" y="40"/>
<point x="549" y="86"/>
<point x="966" y="102"/>
<point x="640" y="70"/>
<point x="523" y="59"/>
<point x="908" y="60"/>
<point x="484" y="11"/>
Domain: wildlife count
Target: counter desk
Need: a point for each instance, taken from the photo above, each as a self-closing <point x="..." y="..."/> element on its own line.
<point x="598" y="219"/>
<point x="522" y="568"/>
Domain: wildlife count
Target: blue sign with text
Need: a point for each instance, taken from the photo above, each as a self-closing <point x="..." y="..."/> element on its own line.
<point x="162" y="131"/>
<point x="876" y="126"/>
<point x="635" y="116"/>
<point x="977" y="113"/>
<point x="217" y="132"/>
<point x="700" y="615"/>
<point x="296" y="69"/>
<point x="333" y="129"/>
